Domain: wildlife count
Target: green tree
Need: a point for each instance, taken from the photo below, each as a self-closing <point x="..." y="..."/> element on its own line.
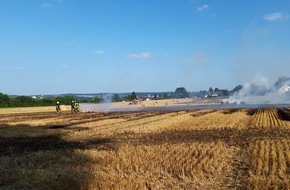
<point x="165" y="95"/>
<point x="47" y="102"/>
<point x="133" y="96"/>
<point x="23" y="101"/>
<point x="116" y="98"/>
<point x="210" y="89"/>
<point x="67" y="100"/>
<point x="181" y="92"/>
<point x="97" y="100"/>
<point x="4" y="100"/>
<point x="237" y="88"/>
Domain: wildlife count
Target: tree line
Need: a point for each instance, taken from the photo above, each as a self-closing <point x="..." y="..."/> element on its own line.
<point x="27" y="101"/>
<point x="180" y="92"/>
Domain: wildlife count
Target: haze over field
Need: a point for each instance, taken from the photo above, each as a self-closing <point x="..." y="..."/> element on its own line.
<point x="63" y="46"/>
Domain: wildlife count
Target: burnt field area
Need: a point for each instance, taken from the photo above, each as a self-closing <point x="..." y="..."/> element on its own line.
<point x="230" y="148"/>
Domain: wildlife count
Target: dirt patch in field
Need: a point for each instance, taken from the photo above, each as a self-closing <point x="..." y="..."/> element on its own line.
<point x="251" y="112"/>
<point x="199" y="113"/>
<point x="232" y="137"/>
<point x="230" y="111"/>
<point x="284" y="114"/>
<point x="18" y="145"/>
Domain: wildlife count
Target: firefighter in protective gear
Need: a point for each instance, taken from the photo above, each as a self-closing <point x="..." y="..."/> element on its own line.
<point x="57" y="106"/>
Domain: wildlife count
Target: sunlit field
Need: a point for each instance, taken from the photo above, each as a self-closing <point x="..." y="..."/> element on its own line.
<point x="195" y="149"/>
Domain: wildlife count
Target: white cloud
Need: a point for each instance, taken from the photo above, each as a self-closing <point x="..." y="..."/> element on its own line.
<point x="275" y="16"/>
<point x="145" y="55"/>
<point x="99" y="52"/>
<point x="46" y="5"/>
<point x="202" y="8"/>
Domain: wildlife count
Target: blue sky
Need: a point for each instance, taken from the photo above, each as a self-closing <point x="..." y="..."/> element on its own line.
<point x="91" y="46"/>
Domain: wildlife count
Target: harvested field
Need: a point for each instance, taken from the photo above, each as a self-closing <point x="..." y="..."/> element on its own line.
<point x="241" y="148"/>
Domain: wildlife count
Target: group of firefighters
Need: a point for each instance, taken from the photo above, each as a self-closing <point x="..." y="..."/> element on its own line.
<point x="74" y="106"/>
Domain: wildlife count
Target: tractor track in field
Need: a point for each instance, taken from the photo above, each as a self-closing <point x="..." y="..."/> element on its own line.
<point x="73" y="119"/>
<point x="232" y="137"/>
<point x="94" y="117"/>
<point x="240" y="138"/>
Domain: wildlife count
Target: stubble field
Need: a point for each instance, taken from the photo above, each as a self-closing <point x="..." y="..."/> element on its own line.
<point x="193" y="149"/>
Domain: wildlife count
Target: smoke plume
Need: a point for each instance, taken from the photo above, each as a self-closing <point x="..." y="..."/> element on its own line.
<point x="261" y="91"/>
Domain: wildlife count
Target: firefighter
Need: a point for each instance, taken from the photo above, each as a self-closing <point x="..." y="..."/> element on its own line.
<point x="57" y="106"/>
<point x="72" y="105"/>
<point x="76" y="107"/>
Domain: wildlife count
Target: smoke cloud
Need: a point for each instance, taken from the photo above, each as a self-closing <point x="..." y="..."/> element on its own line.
<point x="261" y="91"/>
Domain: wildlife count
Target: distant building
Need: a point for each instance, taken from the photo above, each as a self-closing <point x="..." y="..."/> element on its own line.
<point x="213" y="94"/>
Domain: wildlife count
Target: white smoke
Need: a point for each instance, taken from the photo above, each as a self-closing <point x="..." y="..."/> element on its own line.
<point x="105" y="105"/>
<point x="261" y="91"/>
